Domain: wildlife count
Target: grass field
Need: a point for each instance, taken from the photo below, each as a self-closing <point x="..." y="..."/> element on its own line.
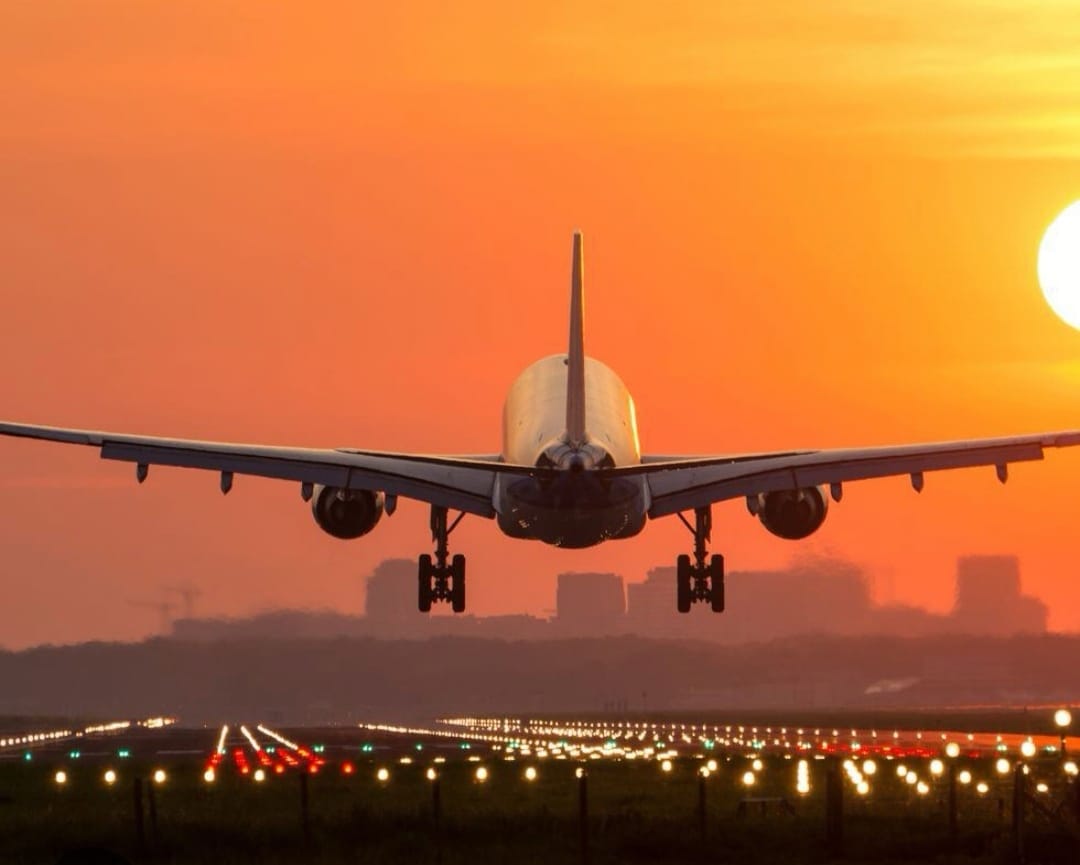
<point x="636" y="813"/>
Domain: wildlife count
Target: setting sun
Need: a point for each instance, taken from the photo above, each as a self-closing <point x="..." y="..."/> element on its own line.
<point x="1059" y="265"/>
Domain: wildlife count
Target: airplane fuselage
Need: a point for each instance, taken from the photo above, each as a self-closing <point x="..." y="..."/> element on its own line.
<point x="576" y="508"/>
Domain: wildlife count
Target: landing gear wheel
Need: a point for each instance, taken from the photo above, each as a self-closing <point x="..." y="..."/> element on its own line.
<point x="457" y="584"/>
<point x="426" y="575"/>
<point x="716" y="583"/>
<point x="682" y="583"/>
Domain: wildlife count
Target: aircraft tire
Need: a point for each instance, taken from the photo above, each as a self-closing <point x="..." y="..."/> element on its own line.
<point x="425" y="571"/>
<point x="682" y="583"/>
<point x="457" y="589"/>
<point x="716" y="583"/>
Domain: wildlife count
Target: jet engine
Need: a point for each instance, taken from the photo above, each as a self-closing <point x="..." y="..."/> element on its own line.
<point x="792" y="514"/>
<point x="346" y="514"/>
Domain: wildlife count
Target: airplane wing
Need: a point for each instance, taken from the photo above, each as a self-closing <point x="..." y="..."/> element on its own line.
<point x="693" y="482"/>
<point x="458" y="483"/>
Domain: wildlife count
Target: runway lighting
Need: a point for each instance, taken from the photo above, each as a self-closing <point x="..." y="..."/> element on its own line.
<point x="1070" y="768"/>
<point x="159" y="776"/>
<point x="579" y="773"/>
<point x="347" y="768"/>
<point x="1062" y="718"/>
<point x="901" y="771"/>
<point x="110" y="777"/>
<point x="748" y="779"/>
<point x="922" y="788"/>
<point x="862" y="788"/>
<point x="1041" y="788"/>
<point x="431" y="774"/>
<point x="481" y="774"/>
<point x="711" y="765"/>
<point x="965" y="777"/>
<point x="869" y="767"/>
<point x="209" y="776"/>
<point x="1002" y="766"/>
<point x="60" y="778"/>
<point x="1028" y="749"/>
<point x="665" y="766"/>
<point x="952" y="750"/>
<point x="704" y="772"/>
<point x="911" y="779"/>
<point x="259" y="775"/>
<point x="383" y="775"/>
<point x="757" y="765"/>
<point x="936" y="767"/>
<point x="982" y="788"/>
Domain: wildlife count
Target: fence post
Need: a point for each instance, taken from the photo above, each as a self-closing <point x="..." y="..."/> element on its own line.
<point x="583" y="813"/>
<point x="701" y="810"/>
<point x="305" y="824"/>
<point x="952" y="803"/>
<point x="1019" y="792"/>
<point x="834" y="809"/>
<point x="137" y="804"/>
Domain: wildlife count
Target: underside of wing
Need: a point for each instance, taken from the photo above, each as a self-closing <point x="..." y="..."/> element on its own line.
<point x="459" y="483"/>
<point x="678" y="485"/>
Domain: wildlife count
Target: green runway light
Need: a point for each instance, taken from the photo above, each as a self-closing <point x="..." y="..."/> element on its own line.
<point x="709" y="744"/>
<point x="74" y="755"/>
<point x="318" y="749"/>
<point x="123" y="753"/>
<point x="271" y="750"/>
<point x="28" y="756"/>
<point x="367" y="747"/>
<point x="419" y="746"/>
<point x="465" y="746"/>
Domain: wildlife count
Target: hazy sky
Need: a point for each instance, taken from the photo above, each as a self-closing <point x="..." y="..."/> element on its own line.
<point x="348" y="224"/>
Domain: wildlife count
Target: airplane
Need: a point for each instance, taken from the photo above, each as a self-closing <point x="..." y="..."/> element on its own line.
<point x="571" y="473"/>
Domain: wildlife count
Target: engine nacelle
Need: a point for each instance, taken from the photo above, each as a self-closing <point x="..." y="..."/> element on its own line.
<point x="346" y="514"/>
<point x="792" y="514"/>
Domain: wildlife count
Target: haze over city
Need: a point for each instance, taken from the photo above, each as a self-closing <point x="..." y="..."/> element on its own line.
<point x="782" y="254"/>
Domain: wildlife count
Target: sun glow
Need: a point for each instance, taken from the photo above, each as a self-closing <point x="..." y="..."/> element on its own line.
<point x="1059" y="265"/>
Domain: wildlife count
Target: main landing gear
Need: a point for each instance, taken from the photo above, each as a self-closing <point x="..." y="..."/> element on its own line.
<point x="700" y="580"/>
<point x="438" y="580"/>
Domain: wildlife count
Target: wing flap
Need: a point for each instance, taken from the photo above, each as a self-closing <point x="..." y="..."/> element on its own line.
<point x="697" y="483"/>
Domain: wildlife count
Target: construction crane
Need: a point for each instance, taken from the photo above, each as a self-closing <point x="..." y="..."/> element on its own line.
<point x="164" y="610"/>
<point x="188" y="592"/>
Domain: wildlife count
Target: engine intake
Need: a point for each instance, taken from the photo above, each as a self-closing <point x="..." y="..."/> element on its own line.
<point x="792" y="514"/>
<point x="346" y="514"/>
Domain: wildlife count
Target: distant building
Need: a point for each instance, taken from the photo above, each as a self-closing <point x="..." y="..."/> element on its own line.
<point x="988" y="599"/>
<point x="650" y="606"/>
<point x="589" y="604"/>
<point x="392" y="591"/>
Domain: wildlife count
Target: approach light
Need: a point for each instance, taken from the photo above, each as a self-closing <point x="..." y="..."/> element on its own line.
<point x="704" y="772"/>
<point x="901" y="771"/>
<point x="1063" y="718"/>
<point x="964" y="777"/>
<point x="110" y="777"/>
<point x="431" y="774"/>
<point x="60" y="777"/>
<point x="159" y="776"/>
<point x="748" y="779"/>
<point x="1041" y="788"/>
<point x="530" y="773"/>
<point x="259" y="775"/>
<point x="383" y="775"/>
<point x="869" y="767"/>
<point x="1002" y="766"/>
<point x="1070" y="768"/>
<point x="862" y="788"/>
<point x="911" y="779"/>
<point x="665" y="766"/>
<point x="1028" y="749"/>
<point x="481" y="774"/>
<point x="982" y="788"/>
<point x="757" y="765"/>
<point x="922" y="788"/>
<point x="209" y="775"/>
<point x="952" y="750"/>
<point x="936" y="767"/>
<point x="711" y="765"/>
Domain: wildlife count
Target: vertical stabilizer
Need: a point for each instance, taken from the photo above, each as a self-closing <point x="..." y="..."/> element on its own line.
<point x="575" y="355"/>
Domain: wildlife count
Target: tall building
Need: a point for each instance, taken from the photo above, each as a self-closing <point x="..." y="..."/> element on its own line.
<point x="590" y="604"/>
<point x="988" y="599"/>
<point x="391" y="591"/>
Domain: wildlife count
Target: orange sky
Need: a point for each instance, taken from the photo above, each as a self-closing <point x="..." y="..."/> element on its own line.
<point x="349" y="224"/>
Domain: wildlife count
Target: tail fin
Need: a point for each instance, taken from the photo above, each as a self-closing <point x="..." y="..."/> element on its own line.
<point x="575" y="356"/>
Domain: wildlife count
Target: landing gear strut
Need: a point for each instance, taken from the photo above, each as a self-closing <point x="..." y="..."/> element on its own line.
<point x="440" y="581"/>
<point x="703" y="578"/>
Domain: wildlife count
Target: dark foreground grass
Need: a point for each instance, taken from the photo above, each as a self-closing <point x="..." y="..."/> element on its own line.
<point x="636" y="815"/>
